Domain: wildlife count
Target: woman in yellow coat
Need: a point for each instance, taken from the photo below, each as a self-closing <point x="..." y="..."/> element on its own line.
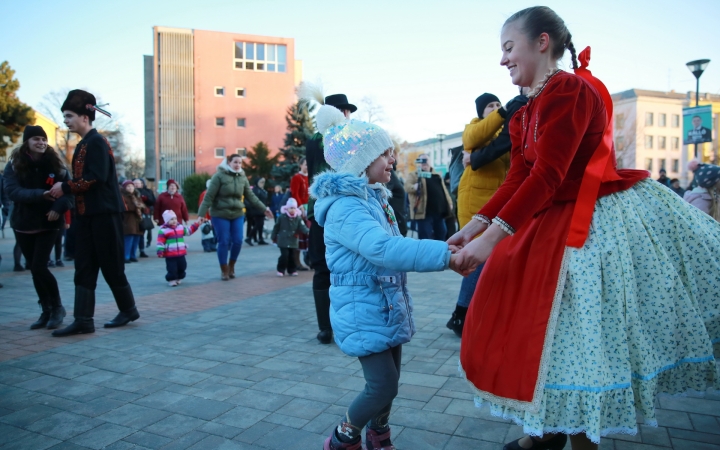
<point x="477" y="186"/>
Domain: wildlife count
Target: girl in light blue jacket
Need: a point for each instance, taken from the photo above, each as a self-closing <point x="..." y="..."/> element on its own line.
<point x="371" y="308"/>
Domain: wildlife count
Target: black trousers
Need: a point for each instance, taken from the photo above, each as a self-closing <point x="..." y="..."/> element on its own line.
<point x="176" y="267"/>
<point x="255" y="226"/>
<point x="36" y="248"/>
<point x="100" y="247"/>
<point x="286" y="261"/>
<point x="316" y="252"/>
<point x="142" y="244"/>
<point x="59" y="243"/>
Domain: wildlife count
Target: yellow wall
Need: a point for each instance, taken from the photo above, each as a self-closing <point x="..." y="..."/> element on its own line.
<point x="50" y="127"/>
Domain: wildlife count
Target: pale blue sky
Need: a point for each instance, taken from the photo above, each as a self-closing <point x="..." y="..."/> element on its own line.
<point x="423" y="61"/>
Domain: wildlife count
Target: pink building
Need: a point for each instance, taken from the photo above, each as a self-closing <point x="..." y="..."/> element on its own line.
<point x="210" y="94"/>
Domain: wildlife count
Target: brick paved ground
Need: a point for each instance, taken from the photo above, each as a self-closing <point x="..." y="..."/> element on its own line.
<point x="235" y="364"/>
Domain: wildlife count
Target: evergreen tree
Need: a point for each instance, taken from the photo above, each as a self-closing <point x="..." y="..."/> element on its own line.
<point x="259" y="163"/>
<point x="14" y="114"/>
<point x="299" y="130"/>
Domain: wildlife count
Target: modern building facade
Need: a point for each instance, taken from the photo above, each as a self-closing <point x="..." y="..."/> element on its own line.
<point x="649" y="132"/>
<point x="210" y="94"/>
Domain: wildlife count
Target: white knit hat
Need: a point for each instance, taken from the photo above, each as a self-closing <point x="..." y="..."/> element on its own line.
<point x="350" y="145"/>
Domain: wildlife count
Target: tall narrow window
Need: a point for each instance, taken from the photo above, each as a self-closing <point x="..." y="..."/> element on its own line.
<point x="662" y="142"/>
<point x="648" y="142"/>
<point x="662" y="164"/>
<point x="676" y="165"/>
<point x="662" y="119"/>
<point x="620" y="143"/>
<point x="619" y="121"/>
<point x="649" y="164"/>
<point x="675" y="121"/>
<point x="676" y="143"/>
<point x="649" y="119"/>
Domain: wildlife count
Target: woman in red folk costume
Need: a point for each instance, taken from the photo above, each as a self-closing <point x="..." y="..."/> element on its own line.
<point x="600" y="286"/>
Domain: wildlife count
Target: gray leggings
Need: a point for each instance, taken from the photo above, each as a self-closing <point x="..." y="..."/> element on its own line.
<point x="382" y="375"/>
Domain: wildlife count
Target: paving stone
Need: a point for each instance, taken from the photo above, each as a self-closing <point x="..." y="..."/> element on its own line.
<point x="220" y="392"/>
<point x="706" y="424"/>
<point x="691" y="405"/>
<point x="29" y="415"/>
<point x="41" y="382"/>
<point x="102" y="436"/>
<point x="275" y="385"/>
<point x="461" y="443"/>
<point x="64" y="425"/>
<point x="315" y="392"/>
<point x="420" y="379"/>
<point x="97" y="377"/>
<point x="68" y="446"/>
<point x="32" y="441"/>
<point x="115" y="365"/>
<point x="420" y="439"/>
<point x="420" y="393"/>
<point x="134" y="416"/>
<point x="437" y="404"/>
<point x="675" y="419"/>
<point x="694" y="436"/>
<point x="199" y="407"/>
<point x="426" y="420"/>
<point x="281" y="437"/>
<point x="15" y="375"/>
<point x="186" y="441"/>
<point x="148" y="440"/>
<point x="219" y="429"/>
<point x="303" y="408"/>
<point x="242" y="417"/>
<point x="683" y="444"/>
<point x="482" y="430"/>
<point x="322" y="423"/>
<point x="9" y="433"/>
<point x="128" y="383"/>
<point x="175" y="426"/>
<point x="233" y="370"/>
<point x="255" y="432"/>
<point x="655" y="436"/>
<point x="288" y="421"/>
<point x="219" y="443"/>
<point x="259" y="400"/>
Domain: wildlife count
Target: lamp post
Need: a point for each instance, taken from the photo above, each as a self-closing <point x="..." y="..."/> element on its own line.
<point x="440" y="138"/>
<point x="697" y="68"/>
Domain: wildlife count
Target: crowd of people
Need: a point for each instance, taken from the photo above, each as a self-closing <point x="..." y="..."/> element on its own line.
<point x="586" y="290"/>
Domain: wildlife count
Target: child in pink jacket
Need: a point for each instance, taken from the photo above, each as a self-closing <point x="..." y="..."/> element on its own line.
<point x="171" y="246"/>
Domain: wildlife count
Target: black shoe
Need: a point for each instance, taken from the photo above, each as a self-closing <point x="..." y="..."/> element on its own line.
<point x="132" y="260"/>
<point x="123" y="318"/>
<point x="51" y="263"/>
<point x="18" y="268"/>
<point x="263" y="243"/>
<point x="325" y="336"/>
<point x="556" y="443"/>
<point x="59" y="263"/>
<point x="81" y="325"/>
<point x="143" y="255"/>
<point x="457" y="320"/>
<point x="249" y="242"/>
<point x="57" y="314"/>
<point x="68" y="258"/>
<point x="43" y="319"/>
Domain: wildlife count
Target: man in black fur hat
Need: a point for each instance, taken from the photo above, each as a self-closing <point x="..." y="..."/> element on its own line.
<point x="99" y="207"/>
<point x="314" y="154"/>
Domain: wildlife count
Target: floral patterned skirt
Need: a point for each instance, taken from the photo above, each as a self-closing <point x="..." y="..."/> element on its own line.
<point x="639" y="314"/>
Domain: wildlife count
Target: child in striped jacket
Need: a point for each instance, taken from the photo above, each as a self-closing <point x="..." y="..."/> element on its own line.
<point x="171" y="246"/>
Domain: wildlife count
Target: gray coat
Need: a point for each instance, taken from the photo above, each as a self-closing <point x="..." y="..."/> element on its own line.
<point x="286" y="229"/>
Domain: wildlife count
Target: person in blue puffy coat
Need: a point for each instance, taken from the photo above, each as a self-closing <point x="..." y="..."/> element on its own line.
<point x="370" y="306"/>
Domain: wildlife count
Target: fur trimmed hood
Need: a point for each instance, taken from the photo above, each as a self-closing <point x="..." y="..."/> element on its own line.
<point x="330" y="186"/>
<point x="225" y="167"/>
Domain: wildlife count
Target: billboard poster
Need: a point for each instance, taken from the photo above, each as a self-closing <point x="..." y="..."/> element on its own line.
<point x="697" y="124"/>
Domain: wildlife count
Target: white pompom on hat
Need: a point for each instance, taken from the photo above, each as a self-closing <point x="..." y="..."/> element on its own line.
<point x="350" y="145"/>
<point x="168" y="214"/>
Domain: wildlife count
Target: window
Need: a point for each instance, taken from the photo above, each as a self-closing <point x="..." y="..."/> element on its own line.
<point x="648" y="164"/>
<point x="220" y="152"/>
<point x="620" y="143"/>
<point x="662" y="142"/>
<point x="260" y="57"/>
<point x="676" y="143"/>
<point x="649" y="118"/>
<point x="241" y="122"/>
<point x="219" y="91"/>
<point x="662" y="119"/>
<point x="648" y="142"/>
<point x="662" y="164"/>
<point x="219" y="121"/>
<point x="242" y="151"/>
<point x="619" y="121"/>
<point x="240" y="92"/>
<point x="676" y="165"/>
<point x="675" y="121"/>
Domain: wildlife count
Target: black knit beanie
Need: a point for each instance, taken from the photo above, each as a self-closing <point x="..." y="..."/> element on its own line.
<point x="33" y="131"/>
<point x="482" y="102"/>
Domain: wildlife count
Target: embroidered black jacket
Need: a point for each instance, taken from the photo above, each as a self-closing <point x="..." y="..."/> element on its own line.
<point x="94" y="180"/>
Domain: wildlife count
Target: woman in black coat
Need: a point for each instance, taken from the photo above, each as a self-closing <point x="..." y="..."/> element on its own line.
<point x="32" y="170"/>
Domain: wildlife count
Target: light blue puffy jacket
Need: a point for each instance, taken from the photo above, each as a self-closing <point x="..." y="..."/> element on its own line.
<point x="371" y="308"/>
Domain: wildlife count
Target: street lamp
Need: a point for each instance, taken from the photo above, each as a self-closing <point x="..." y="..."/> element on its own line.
<point x="697" y="68"/>
<point x="440" y="138"/>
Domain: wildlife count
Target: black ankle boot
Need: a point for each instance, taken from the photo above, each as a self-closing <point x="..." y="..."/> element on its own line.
<point x="57" y="314"/>
<point x="44" y="316"/>
<point x="84" y="311"/>
<point x="556" y="443"/>
<point x="81" y="325"/>
<point x="322" y="309"/>
<point x="457" y="320"/>
<point x="126" y="304"/>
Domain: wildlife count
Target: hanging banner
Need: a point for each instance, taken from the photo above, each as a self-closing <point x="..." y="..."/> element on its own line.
<point x="697" y="124"/>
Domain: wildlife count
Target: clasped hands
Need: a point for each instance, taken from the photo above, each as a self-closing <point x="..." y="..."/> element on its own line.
<point x="467" y="252"/>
